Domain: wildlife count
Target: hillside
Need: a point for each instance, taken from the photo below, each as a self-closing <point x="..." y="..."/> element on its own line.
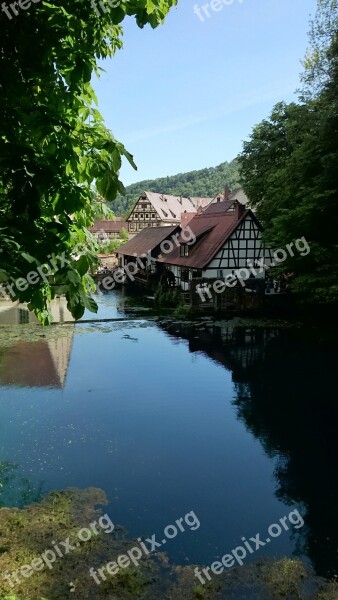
<point x="206" y="182"/>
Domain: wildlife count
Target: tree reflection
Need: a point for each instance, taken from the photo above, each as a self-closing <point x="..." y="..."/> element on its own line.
<point x="286" y="395"/>
<point x="290" y="404"/>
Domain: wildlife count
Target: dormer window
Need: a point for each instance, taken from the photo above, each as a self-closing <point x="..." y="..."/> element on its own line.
<point x="184" y="250"/>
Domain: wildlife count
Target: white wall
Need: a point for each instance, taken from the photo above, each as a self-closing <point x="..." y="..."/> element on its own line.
<point x="244" y="245"/>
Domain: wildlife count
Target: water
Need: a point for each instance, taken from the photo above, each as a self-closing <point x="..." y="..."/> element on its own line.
<point x="169" y="417"/>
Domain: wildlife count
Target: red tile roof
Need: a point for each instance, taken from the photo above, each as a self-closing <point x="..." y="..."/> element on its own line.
<point x="211" y="231"/>
<point x="218" y="207"/>
<point x="147" y="239"/>
<point x="109" y="226"/>
<point x="186" y="218"/>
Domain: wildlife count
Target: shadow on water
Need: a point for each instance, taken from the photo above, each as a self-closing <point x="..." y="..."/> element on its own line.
<point x="286" y="395"/>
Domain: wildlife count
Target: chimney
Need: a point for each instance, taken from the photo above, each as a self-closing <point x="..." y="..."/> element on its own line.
<point x="227" y="192"/>
<point x="239" y="209"/>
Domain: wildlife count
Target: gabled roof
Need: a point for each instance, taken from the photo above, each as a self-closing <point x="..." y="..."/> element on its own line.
<point x="169" y="208"/>
<point x="199" y="202"/>
<point x="211" y="231"/>
<point x="239" y="195"/>
<point x="147" y="240"/>
<point x="219" y="207"/>
<point x="109" y="226"/>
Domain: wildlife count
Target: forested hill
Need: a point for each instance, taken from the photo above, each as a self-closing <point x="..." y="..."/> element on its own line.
<point x="206" y="182"/>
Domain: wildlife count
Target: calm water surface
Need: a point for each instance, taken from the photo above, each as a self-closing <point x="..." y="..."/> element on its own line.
<point x="169" y="417"/>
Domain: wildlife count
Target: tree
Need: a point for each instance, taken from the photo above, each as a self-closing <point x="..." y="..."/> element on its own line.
<point x="54" y="145"/>
<point x="206" y="182"/>
<point x="322" y="36"/>
<point x="289" y="170"/>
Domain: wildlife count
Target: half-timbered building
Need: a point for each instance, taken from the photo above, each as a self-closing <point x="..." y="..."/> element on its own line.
<point x="160" y="210"/>
<point x="107" y="230"/>
<point x="227" y="237"/>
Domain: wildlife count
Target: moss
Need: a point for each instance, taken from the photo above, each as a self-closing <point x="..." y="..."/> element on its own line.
<point x="28" y="532"/>
<point x="130" y="580"/>
<point x="285" y="577"/>
<point x="329" y="591"/>
<point x="32" y="332"/>
<point x="199" y="592"/>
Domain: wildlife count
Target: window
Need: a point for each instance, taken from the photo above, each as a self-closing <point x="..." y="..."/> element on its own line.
<point x="184" y="250"/>
<point x="23" y="316"/>
<point x="185" y="275"/>
<point x="135" y="216"/>
<point x="132" y="226"/>
<point x="197" y="273"/>
<point x="141" y="216"/>
<point x="153" y="216"/>
<point x="147" y="215"/>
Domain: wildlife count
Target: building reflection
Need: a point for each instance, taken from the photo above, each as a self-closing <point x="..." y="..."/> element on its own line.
<point x="41" y="361"/>
<point x="14" y="313"/>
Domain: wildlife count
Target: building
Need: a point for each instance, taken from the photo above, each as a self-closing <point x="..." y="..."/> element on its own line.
<point x="39" y="363"/>
<point x="237" y="194"/>
<point x="147" y="243"/>
<point x="107" y="230"/>
<point x="163" y="210"/>
<point x="157" y="210"/>
<point x="227" y="237"/>
<point x="15" y="313"/>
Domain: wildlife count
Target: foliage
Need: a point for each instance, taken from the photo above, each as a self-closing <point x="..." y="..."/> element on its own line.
<point x="204" y="183"/>
<point x="54" y="145"/>
<point x="289" y="171"/>
<point x="168" y="297"/>
<point x="317" y="62"/>
<point x="286" y="577"/>
<point x="111" y="246"/>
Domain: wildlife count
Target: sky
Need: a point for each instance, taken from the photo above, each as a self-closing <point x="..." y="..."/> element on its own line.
<point x="184" y="96"/>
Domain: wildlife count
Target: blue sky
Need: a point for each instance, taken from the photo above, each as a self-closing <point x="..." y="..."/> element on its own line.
<point x="185" y="96"/>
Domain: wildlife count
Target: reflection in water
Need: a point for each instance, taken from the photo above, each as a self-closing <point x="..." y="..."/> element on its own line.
<point x="40" y="364"/>
<point x="152" y="449"/>
<point x="291" y="406"/>
<point x="18" y="314"/>
<point x="43" y="363"/>
<point x="286" y="395"/>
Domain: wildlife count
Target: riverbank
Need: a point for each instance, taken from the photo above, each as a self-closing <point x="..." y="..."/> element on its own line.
<point x="29" y="532"/>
